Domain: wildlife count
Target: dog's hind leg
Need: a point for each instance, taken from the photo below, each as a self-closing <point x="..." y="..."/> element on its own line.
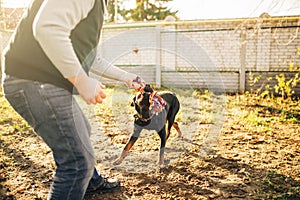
<point x="175" y="125"/>
<point x="170" y="120"/>
<point x="174" y="108"/>
<point x="168" y="130"/>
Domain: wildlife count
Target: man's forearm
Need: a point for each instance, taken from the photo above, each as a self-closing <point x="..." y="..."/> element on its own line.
<point x="106" y="69"/>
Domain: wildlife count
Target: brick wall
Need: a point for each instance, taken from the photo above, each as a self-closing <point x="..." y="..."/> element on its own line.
<point x="182" y="53"/>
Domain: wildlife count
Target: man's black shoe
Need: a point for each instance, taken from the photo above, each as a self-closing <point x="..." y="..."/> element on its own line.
<point x="108" y="185"/>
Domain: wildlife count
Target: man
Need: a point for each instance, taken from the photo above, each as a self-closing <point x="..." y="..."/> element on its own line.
<point x="46" y="61"/>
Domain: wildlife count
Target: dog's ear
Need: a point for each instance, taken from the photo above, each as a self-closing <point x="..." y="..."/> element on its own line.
<point x="133" y="100"/>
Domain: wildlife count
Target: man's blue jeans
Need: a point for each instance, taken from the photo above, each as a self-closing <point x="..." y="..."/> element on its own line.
<point x="55" y="116"/>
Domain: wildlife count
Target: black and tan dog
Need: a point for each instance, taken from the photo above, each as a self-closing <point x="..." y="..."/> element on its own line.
<point x="153" y="111"/>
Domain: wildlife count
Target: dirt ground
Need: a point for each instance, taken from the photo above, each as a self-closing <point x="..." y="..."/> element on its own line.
<point x="233" y="147"/>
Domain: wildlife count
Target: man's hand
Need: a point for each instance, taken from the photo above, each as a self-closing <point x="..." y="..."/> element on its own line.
<point x="135" y="82"/>
<point x="89" y="89"/>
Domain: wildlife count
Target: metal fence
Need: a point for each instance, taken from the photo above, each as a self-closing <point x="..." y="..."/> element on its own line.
<point x="209" y="54"/>
<point x="205" y="54"/>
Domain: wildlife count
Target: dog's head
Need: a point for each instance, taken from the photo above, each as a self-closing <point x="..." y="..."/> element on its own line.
<point x="143" y="102"/>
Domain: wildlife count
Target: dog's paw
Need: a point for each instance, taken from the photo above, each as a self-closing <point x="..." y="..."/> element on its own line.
<point x="179" y="136"/>
<point x="160" y="165"/>
<point x="117" y="162"/>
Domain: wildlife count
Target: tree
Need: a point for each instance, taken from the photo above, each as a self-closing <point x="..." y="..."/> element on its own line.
<point x="145" y="10"/>
<point x="113" y="10"/>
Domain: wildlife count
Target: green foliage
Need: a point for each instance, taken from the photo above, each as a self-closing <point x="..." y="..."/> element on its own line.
<point x="286" y="87"/>
<point x="115" y="10"/>
<point x="264" y="90"/>
<point x="111" y="10"/>
<point x="145" y="10"/>
<point x="280" y="187"/>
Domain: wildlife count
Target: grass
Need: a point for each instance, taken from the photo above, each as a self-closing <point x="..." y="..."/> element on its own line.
<point x="259" y="146"/>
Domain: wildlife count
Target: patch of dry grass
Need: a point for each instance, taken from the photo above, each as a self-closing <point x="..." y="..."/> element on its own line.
<point x="257" y="155"/>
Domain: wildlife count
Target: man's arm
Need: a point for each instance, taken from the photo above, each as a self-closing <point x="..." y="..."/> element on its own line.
<point x="102" y="67"/>
<point x="52" y="29"/>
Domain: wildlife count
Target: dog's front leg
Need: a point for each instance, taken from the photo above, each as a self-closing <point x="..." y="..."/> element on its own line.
<point x="163" y="138"/>
<point x="128" y="146"/>
<point x="126" y="149"/>
<point x="121" y="158"/>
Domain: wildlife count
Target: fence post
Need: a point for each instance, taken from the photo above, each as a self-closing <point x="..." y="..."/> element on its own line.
<point x="158" y="57"/>
<point x="242" y="80"/>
